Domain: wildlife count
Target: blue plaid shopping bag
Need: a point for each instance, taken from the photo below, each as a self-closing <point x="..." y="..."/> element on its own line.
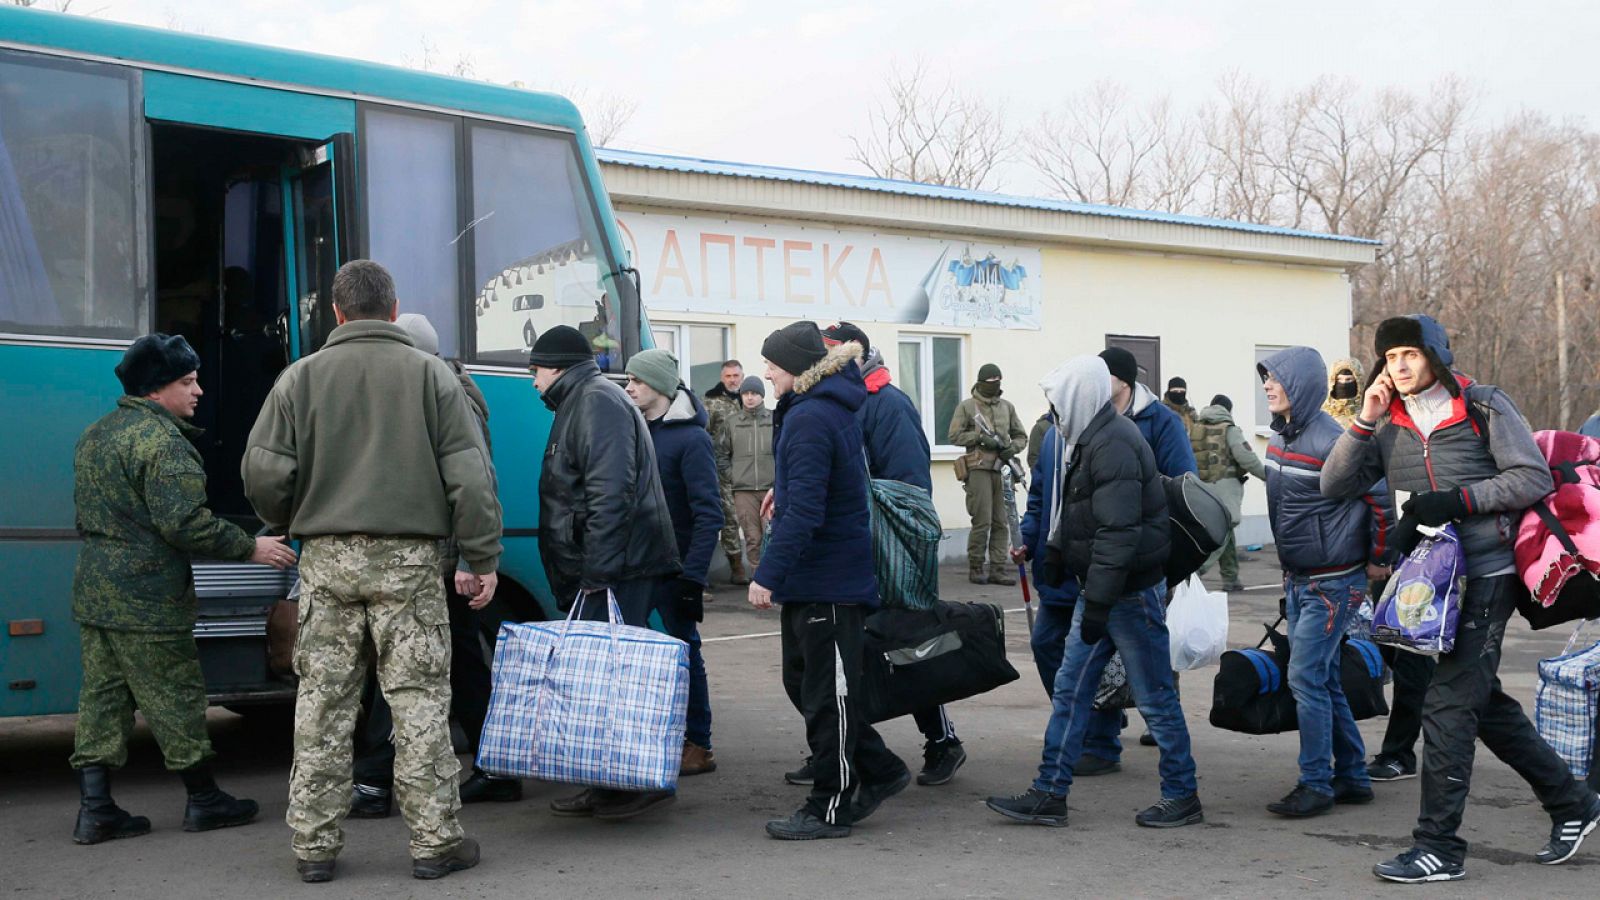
<point x="601" y="704"/>
<point x="1565" y="708"/>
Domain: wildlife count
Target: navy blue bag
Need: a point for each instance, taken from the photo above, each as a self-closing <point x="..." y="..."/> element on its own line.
<point x="1251" y="692"/>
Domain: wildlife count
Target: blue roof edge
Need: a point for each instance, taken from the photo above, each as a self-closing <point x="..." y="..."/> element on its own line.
<point x="667" y="162"/>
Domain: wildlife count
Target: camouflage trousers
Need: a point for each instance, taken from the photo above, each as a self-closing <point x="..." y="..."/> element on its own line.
<point x="365" y="595"/>
<point x="158" y="672"/>
<point x="731" y="545"/>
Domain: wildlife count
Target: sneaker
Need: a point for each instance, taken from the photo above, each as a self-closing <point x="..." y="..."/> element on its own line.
<point x="1032" y="806"/>
<point x="632" y="803"/>
<point x="1416" y="866"/>
<point x="1301" y="803"/>
<point x="1385" y="768"/>
<point x="582" y="803"/>
<point x="485" y="788"/>
<point x="1172" y="813"/>
<point x="314" y="871"/>
<point x="1090" y="766"/>
<point x="368" y="802"/>
<point x="940" y="760"/>
<point x="803" y="826"/>
<point x="697" y="760"/>
<point x="1147" y="740"/>
<point x="870" y="796"/>
<point x="464" y="856"/>
<point x="1349" y="792"/>
<point x="1566" y="837"/>
<point x="805" y="775"/>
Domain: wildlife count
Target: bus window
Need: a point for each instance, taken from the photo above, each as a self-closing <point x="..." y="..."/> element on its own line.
<point x="70" y="235"/>
<point x="537" y="259"/>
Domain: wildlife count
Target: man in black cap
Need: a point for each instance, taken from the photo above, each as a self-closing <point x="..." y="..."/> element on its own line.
<point x="604" y="522"/>
<point x="140" y="497"/>
<point x="988" y="449"/>
<point x="1177" y="400"/>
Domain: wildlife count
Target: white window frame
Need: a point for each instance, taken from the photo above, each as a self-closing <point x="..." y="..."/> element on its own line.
<point x="681" y="349"/>
<point x="922" y="393"/>
<point x="1263" y="418"/>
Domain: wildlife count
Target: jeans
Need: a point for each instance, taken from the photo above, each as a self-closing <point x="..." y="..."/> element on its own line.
<point x="1137" y="628"/>
<point x="1330" y="744"/>
<point x="684" y="629"/>
<point x="1103" y="739"/>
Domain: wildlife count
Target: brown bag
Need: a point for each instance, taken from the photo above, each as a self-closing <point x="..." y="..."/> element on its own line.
<point x="961" y="468"/>
<point x="283" y="626"/>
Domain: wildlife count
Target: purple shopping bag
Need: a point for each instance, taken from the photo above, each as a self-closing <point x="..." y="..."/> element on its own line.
<point x="1422" y="603"/>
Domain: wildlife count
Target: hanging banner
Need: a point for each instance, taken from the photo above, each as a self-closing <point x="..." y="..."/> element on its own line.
<point x="790" y="271"/>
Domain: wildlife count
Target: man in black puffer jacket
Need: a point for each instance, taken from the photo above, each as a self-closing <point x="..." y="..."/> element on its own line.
<point x="1110" y="529"/>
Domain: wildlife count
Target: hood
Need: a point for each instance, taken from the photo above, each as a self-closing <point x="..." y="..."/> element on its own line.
<point x="1304" y="377"/>
<point x="1421" y="331"/>
<point x="1077" y="389"/>
<point x="1215" y="414"/>
<point x="836" y="376"/>
<point x="874" y="372"/>
<point x="686" y="409"/>
<point x="1143" y="399"/>
<point x="568" y="381"/>
<point x="1348" y="407"/>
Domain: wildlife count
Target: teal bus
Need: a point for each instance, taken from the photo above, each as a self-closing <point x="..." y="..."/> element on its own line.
<point x="158" y="181"/>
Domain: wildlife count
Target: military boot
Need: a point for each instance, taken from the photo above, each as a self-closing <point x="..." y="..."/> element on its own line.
<point x="99" y="817"/>
<point x="736" y="573"/>
<point x="209" y="806"/>
<point x="999" y="574"/>
<point x="977" y="574"/>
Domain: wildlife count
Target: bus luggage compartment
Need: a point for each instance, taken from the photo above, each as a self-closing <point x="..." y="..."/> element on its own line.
<point x="231" y="630"/>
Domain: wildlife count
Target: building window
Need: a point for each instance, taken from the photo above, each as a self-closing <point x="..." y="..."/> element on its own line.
<point x="933" y="373"/>
<point x="1263" y="416"/>
<point x="700" y="350"/>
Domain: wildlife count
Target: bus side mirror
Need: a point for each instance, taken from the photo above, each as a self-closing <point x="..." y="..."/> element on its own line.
<point x="527" y="302"/>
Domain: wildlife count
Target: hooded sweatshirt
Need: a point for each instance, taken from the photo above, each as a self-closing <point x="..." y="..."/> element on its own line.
<point x="689" y="481"/>
<point x="1344" y="411"/>
<point x="1164" y="430"/>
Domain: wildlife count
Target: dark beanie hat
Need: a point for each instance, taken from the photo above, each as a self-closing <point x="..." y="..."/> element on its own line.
<point x="795" y="348"/>
<point x="155" y="361"/>
<point x="1123" y="366"/>
<point x="559" y="348"/>
<point x="753" y="385"/>
<point x="1423" y="333"/>
<point x="1222" y="401"/>
<point x="1176" y="382"/>
<point x="988" y="371"/>
<point x="847" y="331"/>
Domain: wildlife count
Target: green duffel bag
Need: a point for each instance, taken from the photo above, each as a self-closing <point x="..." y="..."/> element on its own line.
<point x="905" y="545"/>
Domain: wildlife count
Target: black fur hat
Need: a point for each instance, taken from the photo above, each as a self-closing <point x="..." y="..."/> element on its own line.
<point x="1424" y="333"/>
<point x="155" y="361"/>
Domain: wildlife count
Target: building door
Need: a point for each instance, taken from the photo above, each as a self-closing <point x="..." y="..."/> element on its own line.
<point x="1147" y="352"/>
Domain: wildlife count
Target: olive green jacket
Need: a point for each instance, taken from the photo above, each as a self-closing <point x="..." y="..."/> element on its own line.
<point x="1002" y="416"/>
<point x="744" y="450"/>
<point x="140" y="494"/>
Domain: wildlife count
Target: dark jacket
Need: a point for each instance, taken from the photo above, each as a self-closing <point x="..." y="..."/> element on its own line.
<point x="821" y="545"/>
<point x="603" y="518"/>
<point x="897" y="447"/>
<point x="1164" y="430"/>
<point x="1034" y="528"/>
<point x="1317" y="535"/>
<point x="1113" y="531"/>
<point x="688" y="470"/>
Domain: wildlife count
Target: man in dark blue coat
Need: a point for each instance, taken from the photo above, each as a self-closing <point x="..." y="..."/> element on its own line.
<point x="688" y="469"/>
<point x="818" y="565"/>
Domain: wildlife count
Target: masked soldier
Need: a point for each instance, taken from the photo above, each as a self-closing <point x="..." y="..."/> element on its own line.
<point x="988" y="448"/>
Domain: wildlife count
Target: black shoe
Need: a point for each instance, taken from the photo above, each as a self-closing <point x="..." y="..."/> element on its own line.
<point x="1566" y="837"/>
<point x="464" y="856"/>
<point x="582" y="803"/>
<point x="1232" y="587"/>
<point x="1302" y="803"/>
<point x="314" y="871"/>
<point x="211" y="807"/>
<point x="1417" y="865"/>
<point x="870" y="796"/>
<point x="485" y="788"/>
<point x="803" y="826"/>
<point x="1032" y="806"/>
<point x="1349" y="792"/>
<point x="940" y="760"/>
<point x="1384" y="768"/>
<point x="1172" y="813"/>
<point x="626" y="805"/>
<point x="368" y="802"/>
<point x="1147" y="740"/>
<point x="99" y="817"/>
<point x="805" y="775"/>
<point x="1090" y="766"/>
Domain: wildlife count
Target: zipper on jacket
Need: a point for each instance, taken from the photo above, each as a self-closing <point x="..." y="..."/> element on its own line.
<point x="1427" y="463"/>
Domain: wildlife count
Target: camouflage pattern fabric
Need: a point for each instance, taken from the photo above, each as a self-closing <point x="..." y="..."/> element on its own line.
<point x="387" y="593"/>
<point x="718" y="409"/>
<point x="140" y="495"/>
<point x="157" y="672"/>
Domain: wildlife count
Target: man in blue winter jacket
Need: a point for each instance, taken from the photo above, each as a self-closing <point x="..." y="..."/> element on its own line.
<point x="1329" y="548"/>
<point x="818" y="565"/>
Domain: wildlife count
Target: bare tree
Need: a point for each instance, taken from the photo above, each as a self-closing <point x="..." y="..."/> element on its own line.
<point x="1097" y="148"/>
<point x="428" y="59"/>
<point x="933" y="134"/>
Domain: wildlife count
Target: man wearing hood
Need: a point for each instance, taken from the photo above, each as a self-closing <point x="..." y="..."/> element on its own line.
<point x="1177" y="400"/>
<point x="1344" y="391"/>
<point x="1464" y="454"/>
<point x="818" y="566"/>
<point x="1224" y="458"/>
<point x="1326" y="546"/>
<point x="1108" y="527"/>
<point x="688" y="469"/>
<point x="986" y="453"/>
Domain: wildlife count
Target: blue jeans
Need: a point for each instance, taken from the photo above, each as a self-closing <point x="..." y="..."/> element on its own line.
<point x="684" y="629"/>
<point x="1050" y="629"/>
<point x="1137" y="628"/>
<point x="1330" y="744"/>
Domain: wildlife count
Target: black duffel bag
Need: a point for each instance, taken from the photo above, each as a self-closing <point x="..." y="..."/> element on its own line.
<point x="917" y="659"/>
<point x="1251" y="691"/>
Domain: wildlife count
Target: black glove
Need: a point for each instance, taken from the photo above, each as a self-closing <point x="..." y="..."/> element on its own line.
<point x="1092" y="630"/>
<point x="1406" y="535"/>
<point x="691" y="599"/>
<point x="1054" y="569"/>
<point x="991" y="443"/>
<point x="1435" y="508"/>
<point x="1006" y="453"/>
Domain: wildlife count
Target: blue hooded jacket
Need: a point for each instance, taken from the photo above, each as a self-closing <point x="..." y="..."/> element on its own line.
<point x="1164" y="431"/>
<point x="1035" y="531"/>
<point x="897" y="447"/>
<point x="688" y="469"/>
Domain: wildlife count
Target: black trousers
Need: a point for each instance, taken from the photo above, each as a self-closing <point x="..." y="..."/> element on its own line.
<point x="1412" y="673"/>
<point x="1464" y="703"/>
<point x="822" y="653"/>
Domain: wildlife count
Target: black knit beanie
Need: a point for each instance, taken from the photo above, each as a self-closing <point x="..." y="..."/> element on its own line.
<point x="1123" y="366"/>
<point x="1176" y="382"/>
<point x="155" y="361"/>
<point x="795" y="348"/>
<point x="1223" y="401"/>
<point x="988" y="371"/>
<point x="559" y="348"/>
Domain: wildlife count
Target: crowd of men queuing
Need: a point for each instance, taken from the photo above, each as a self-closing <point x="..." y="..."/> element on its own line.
<point x="373" y="453"/>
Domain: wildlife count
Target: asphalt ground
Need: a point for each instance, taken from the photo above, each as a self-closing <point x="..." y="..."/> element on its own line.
<point x="928" y="842"/>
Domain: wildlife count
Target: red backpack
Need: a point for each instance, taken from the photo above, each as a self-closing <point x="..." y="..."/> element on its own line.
<point x="1558" y="540"/>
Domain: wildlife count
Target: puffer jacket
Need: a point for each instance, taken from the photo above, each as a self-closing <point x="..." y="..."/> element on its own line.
<point x="897" y="447"/>
<point x="820" y="550"/>
<point x="1165" y="431"/>
<point x="688" y="470"/>
<point x="1035" y="529"/>
<point x="603" y="518"/>
<point x="745" y="449"/>
<point x="1317" y="535"/>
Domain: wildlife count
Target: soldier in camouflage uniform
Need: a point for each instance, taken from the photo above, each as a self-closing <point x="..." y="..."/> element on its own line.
<point x="1224" y="458"/>
<point x="372" y="479"/>
<point x="140" y="495"/>
<point x="722" y="401"/>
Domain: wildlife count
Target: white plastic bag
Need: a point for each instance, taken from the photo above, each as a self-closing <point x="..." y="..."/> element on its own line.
<point x="1197" y="625"/>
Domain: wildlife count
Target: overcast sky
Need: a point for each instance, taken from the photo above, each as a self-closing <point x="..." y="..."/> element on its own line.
<point x="786" y="84"/>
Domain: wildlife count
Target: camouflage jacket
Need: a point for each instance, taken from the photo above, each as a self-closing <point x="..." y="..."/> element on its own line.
<point x="720" y="406"/>
<point x="140" y="494"/>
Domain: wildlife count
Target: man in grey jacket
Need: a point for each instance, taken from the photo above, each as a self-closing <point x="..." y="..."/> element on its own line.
<point x="1460" y="452"/>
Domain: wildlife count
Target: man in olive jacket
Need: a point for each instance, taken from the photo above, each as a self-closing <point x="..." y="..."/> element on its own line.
<point x="986" y="453"/>
<point x="140" y="497"/>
